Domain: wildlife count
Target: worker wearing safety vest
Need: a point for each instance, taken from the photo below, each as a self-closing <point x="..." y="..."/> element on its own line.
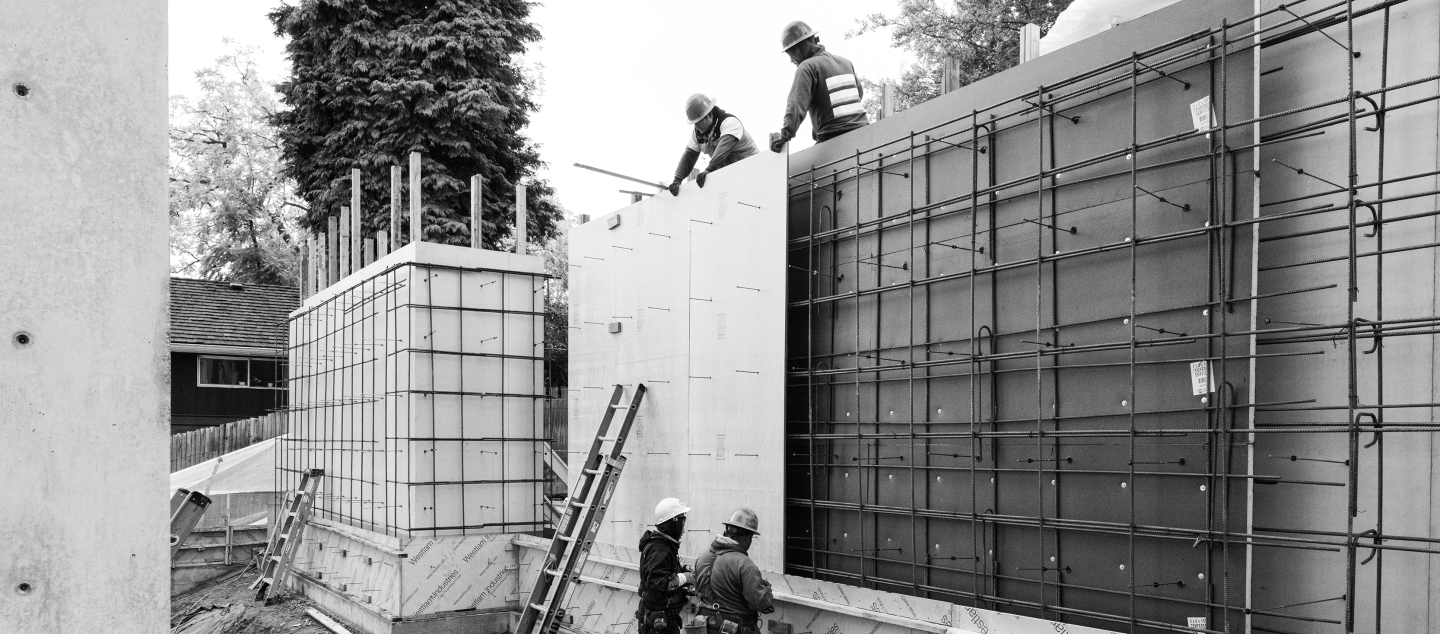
<point x="715" y="133"/>
<point x="665" y="585"/>
<point x="733" y="594"/>
<point x="825" y="85"/>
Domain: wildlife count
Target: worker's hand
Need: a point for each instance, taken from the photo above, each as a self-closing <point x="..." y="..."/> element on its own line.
<point x="674" y="188"/>
<point x="700" y="179"/>
<point x="777" y="142"/>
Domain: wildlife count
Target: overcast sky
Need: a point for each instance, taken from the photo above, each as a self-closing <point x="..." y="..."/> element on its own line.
<point x="616" y="74"/>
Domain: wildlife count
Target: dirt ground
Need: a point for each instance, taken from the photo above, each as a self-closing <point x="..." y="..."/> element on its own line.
<point x="285" y="615"/>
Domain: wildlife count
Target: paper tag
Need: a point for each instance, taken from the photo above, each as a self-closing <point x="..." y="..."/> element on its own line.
<point x="1197" y="622"/>
<point x="1201" y="381"/>
<point x="1201" y="113"/>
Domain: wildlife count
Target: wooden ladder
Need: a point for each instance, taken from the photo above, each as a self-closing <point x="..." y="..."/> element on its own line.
<point x="584" y="512"/>
<point x="285" y="536"/>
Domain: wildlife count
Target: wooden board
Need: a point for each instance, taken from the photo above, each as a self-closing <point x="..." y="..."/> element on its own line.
<point x="696" y="286"/>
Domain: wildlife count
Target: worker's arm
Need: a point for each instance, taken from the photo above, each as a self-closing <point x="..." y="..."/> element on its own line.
<point x="687" y="163"/>
<point x="757" y="589"/>
<point x="797" y="104"/>
<point x="730" y="132"/>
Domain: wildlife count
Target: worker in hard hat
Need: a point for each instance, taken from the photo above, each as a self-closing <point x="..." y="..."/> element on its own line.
<point x="825" y="86"/>
<point x="715" y="133"/>
<point x="665" y="585"/>
<point x="733" y="594"/>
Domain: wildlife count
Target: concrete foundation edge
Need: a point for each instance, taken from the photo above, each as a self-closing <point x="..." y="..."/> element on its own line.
<point x="375" y="621"/>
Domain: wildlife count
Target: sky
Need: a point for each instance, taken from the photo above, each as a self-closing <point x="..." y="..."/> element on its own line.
<point x="616" y="74"/>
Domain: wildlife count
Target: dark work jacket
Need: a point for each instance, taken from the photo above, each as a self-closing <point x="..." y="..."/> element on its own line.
<point x="826" y="87"/>
<point x="659" y="570"/>
<point x="729" y="582"/>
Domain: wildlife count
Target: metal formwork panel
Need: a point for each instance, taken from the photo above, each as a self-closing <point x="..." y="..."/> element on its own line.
<point x="1056" y="348"/>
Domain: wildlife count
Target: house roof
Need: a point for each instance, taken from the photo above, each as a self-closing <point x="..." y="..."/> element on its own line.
<point x="210" y="313"/>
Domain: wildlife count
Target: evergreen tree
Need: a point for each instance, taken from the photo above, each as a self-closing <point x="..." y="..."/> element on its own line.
<point x="374" y="80"/>
<point x="983" y="36"/>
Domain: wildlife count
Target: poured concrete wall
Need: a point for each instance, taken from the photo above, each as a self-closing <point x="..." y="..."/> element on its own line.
<point x="84" y="422"/>
<point x="696" y="286"/>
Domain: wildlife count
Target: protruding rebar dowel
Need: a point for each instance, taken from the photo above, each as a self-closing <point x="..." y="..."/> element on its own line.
<point x="520" y="220"/>
<point x="417" y="228"/>
<point x="394" y="208"/>
<point x="477" y="235"/>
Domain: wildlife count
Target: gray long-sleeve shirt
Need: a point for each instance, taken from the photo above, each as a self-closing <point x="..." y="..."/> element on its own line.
<point x="827" y="88"/>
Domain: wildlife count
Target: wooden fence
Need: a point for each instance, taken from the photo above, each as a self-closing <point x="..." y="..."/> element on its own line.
<point x="194" y="447"/>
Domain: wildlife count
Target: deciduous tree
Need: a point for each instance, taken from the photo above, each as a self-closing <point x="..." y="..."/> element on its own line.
<point x="233" y="215"/>
<point x="983" y="36"/>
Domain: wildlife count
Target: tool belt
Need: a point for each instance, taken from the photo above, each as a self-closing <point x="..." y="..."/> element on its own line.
<point x="727" y="623"/>
<point x="658" y="620"/>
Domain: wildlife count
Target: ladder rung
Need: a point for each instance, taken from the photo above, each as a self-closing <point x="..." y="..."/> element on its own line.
<point x="578" y="504"/>
<point x="565" y="538"/>
<point x="619" y="406"/>
<point x="537" y="607"/>
<point x="607" y="438"/>
<point x="592" y="471"/>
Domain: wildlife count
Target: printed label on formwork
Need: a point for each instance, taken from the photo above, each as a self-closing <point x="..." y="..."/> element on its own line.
<point x="1197" y="622"/>
<point x="1201" y="113"/>
<point x="1200" y="378"/>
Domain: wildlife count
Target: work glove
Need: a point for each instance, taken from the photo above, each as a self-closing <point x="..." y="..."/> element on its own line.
<point x="700" y="179"/>
<point x="777" y="142"/>
<point x="674" y="188"/>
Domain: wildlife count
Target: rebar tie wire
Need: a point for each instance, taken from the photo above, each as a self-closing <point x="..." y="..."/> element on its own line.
<point x="1304" y="173"/>
<point x="1037" y="222"/>
<point x="1041" y="106"/>
<point x="1185" y="207"/>
<point x="961" y="146"/>
<point x="1319" y="30"/>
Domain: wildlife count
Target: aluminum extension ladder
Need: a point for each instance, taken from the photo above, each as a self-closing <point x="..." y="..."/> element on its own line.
<point x="584" y="512"/>
<point x="285" y="536"/>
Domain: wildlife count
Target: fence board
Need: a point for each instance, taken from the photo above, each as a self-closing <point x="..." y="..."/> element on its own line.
<point x="194" y="447"/>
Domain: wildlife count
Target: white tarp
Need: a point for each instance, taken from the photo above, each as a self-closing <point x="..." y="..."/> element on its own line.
<point x="246" y="470"/>
<point x="1084" y="18"/>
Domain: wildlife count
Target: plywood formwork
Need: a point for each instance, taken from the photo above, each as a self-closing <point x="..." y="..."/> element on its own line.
<point x="695" y="286"/>
<point x="1057" y="348"/>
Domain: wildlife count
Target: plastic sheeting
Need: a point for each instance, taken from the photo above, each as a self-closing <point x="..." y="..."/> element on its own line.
<point x="1084" y="18"/>
<point x="246" y="470"/>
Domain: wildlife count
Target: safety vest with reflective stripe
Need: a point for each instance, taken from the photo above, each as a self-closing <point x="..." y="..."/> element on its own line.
<point x="827" y="88"/>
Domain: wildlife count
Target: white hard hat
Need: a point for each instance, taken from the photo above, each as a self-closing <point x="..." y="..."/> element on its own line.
<point x="668" y="508"/>
<point x="697" y="106"/>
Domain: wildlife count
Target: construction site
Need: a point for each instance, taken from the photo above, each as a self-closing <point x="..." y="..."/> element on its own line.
<point x="1139" y="336"/>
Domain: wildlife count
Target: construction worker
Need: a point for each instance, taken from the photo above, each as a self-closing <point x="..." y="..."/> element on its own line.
<point x="733" y="594"/>
<point x="715" y="133"/>
<point x="825" y="85"/>
<point x="665" y="585"/>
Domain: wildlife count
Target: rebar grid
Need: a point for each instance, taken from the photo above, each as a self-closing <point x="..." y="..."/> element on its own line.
<point x="877" y="467"/>
<point x="419" y="390"/>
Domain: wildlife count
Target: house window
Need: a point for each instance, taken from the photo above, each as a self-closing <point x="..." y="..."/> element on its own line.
<point x="241" y="372"/>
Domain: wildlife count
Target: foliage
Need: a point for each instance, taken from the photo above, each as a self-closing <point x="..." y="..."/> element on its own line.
<point x="983" y="36"/>
<point x="374" y="80"/>
<point x="232" y="215"/>
<point x="557" y="305"/>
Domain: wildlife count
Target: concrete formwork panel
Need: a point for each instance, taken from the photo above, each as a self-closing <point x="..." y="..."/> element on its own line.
<point x="693" y="284"/>
<point x="84" y="390"/>
<point x="417" y="387"/>
<point x="1143" y="299"/>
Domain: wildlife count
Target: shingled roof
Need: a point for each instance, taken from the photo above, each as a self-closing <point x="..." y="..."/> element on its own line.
<point x="209" y="313"/>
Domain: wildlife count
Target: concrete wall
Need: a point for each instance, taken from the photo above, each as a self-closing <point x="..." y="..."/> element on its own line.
<point x="83" y="414"/>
